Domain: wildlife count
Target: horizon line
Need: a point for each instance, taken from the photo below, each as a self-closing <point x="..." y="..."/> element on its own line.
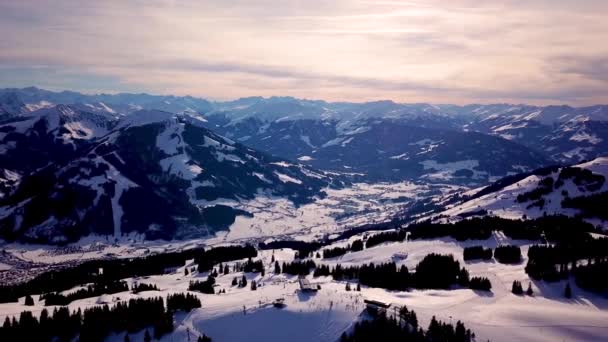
<point x="212" y="100"/>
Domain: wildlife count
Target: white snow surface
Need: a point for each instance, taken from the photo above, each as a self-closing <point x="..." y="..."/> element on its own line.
<point x="584" y="136"/>
<point x="503" y="203"/>
<point x="287" y="179"/>
<point x="245" y="315"/>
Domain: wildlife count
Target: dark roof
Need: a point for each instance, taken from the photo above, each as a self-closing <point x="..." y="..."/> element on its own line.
<point x="377" y="303"/>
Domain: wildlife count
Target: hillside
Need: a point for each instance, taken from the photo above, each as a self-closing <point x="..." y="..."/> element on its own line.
<point x="387" y="149"/>
<point x="70" y="173"/>
<point x="575" y="190"/>
<point x="318" y="133"/>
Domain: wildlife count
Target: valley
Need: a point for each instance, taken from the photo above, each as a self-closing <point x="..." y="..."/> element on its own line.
<point x="331" y="204"/>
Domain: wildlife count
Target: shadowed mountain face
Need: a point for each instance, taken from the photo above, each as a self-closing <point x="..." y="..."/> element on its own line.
<point x="388" y="150"/>
<point x="560" y="134"/>
<point x="74" y="172"/>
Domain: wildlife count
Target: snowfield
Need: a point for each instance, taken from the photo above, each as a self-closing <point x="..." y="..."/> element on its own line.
<point x="244" y="315"/>
<point x="504" y="203"/>
<point x="273" y="217"/>
<point x="343" y="208"/>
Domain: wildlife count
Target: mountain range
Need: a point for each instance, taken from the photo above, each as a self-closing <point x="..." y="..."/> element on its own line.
<point x="73" y="164"/>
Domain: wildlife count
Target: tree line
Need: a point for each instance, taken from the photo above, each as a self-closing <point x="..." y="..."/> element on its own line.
<point x="507" y="254"/>
<point x="404" y="326"/>
<point x="355" y="246"/>
<point x="477" y="252"/>
<point x="96" y="323"/>
<point x="584" y="257"/>
<point x="590" y="205"/>
<point x="435" y="271"/>
<point x="207" y="259"/>
<point x="116" y="269"/>
<point x="94" y="290"/>
<point x="303" y="249"/>
<point x="140" y="287"/>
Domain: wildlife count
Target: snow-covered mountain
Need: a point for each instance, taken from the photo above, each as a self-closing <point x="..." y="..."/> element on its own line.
<point x="577" y="190"/>
<point x="563" y="133"/>
<point x="68" y="173"/>
<point x="306" y="128"/>
<point x="383" y="149"/>
<point x="34" y="98"/>
<point x="296" y="129"/>
<point x="560" y="133"/>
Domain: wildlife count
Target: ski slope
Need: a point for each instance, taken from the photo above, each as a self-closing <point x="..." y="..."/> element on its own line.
<point x="245" y="315"/>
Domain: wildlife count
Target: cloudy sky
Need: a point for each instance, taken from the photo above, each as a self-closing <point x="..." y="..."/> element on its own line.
<point x="457" y="51"/>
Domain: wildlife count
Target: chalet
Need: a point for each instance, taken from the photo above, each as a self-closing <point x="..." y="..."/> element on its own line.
<point x="376" y="307"/>
<point x="306" y="286"/>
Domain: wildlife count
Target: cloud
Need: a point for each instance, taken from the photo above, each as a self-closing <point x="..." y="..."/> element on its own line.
<point x="586" y="67"/>
<point x="517" y="51"/>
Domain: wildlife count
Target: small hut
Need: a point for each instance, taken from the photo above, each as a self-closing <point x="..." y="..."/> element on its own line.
<point x="376" y="307"/>
<point x="306" y="286"/>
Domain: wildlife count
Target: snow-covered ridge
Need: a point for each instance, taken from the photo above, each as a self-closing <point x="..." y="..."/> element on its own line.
<point x="505" y="203"/>
<point x="158" y="173"/>
<point x="565" y="134"/>
<point x="290" y="108"/>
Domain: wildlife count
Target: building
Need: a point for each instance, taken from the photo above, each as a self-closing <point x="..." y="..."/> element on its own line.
<point x="306" y="286"/>
<point x="376" y="307"/>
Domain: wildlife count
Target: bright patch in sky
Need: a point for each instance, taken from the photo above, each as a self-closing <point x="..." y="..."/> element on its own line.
<point x="460" y="51"/>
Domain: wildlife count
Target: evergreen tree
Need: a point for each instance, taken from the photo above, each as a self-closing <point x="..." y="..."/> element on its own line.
<point x="235" y="281"/>
<point x="186" y="271"/>
<point x="243" y="281"/>
<point x="463" y="277"/>
<point x="358" y="287"/>
<point x="272" y="258"/>
<point x="277" y="268"/>
<point x="347" y="286"/>
<point x="29" y="301"/>
<point x="461" y="332"/>
<point x="147" y="337"/>
<point x="127" y="339"/>
<point x="204" y="338"/>
<point x="480" y="283"/>
<point x="254" y="285"/>
<point x="529" y="291"/>
<point x="516" y="288"/>
<point x="568" y="291"/>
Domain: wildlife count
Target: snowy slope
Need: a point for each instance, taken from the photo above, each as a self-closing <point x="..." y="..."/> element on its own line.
<point x="504" y="203"/>
<point x="244" y="315"/>
<point x="149" y="172"/>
